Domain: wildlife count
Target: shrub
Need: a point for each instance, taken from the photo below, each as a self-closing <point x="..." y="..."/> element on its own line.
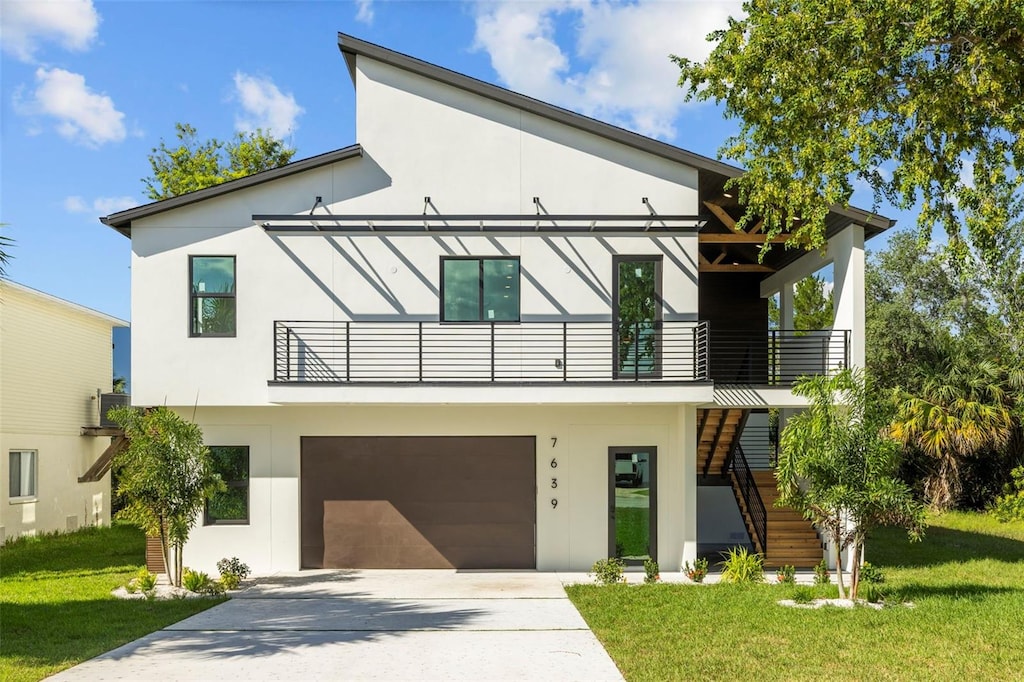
<point x="821" y="574"/>
<point x="786" y="575"/>
<point x="873" y="593"/>
<point x="608" y="571"/>
<point x="200" y="583"/>
<point x="803" y="594"/>
<point x="698" y="571"/>
<point x="144" y="582"/>
<point x="1010" y="505"/>
<point x="741" y="566"/>
<point x="871" y="574"/>
<point x="651" y="573"/>
<point x="232" y="572"/>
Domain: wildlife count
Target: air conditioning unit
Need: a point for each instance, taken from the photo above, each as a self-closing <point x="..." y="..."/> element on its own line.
<point x="110" y="400"/>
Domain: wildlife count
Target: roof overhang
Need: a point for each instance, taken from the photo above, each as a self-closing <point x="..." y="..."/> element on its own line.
<point x="122" y="221"/>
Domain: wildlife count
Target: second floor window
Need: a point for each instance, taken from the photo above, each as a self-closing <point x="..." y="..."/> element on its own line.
<point x="212" y="301"/>
<point x="479" y="289"/>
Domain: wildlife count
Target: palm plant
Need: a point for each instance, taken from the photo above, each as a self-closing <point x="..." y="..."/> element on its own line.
<point x="963" y="408"/>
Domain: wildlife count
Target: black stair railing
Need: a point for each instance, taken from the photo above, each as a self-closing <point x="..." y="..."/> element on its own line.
<point x="743" y="479"/>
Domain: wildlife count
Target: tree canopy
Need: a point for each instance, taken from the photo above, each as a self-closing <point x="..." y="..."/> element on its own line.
<point x="195" y="164"/>
<point x="813" y="306"/>
<point x="922" y="101"/>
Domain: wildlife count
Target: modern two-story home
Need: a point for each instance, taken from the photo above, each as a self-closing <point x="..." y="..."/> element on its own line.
<point x="492" y="334"/>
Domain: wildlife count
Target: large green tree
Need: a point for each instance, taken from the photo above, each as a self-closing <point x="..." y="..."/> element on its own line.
<point x="813" y="306"/>
<point x="922" y="101"/>
<point x="195" y="164"/>
<point x="165" y="476"/>
<point x="838" y="465"/>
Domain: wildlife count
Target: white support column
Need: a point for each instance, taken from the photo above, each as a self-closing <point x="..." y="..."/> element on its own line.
<point x="847" y="250"/>
<point x="786" y="292"/>
<point x="687" y="437"/>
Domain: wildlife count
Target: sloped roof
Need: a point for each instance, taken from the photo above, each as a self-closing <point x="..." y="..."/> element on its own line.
<point x="78" y="308"/>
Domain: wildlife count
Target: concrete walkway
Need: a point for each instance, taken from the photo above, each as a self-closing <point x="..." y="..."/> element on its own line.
<point x="372" y="625"/>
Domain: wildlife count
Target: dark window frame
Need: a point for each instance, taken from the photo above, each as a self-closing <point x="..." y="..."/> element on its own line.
<point x="193" y="295"/>
<point x="23" y="497"/>
<point x="659" y="273"/>
<point x="207" y="521"/>
<point x="652" y="504"/>
<point x="480" y="298"/>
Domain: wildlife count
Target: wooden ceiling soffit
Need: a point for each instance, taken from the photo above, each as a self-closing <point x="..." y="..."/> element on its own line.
<point x="735" y="267"/>
<point x="722" y="215"/>
<point x="739" y="238"/>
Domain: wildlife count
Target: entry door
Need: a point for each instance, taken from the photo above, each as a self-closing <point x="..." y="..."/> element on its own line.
<point x="632" y="503"/>
<point x="636" y="315"/>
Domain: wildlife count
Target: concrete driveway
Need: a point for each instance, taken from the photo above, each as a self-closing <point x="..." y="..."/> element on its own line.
<point x="372" y="625"/>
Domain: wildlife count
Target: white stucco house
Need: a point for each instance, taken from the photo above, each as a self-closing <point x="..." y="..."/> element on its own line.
<point x="492" y="334"/>
<point x="56" y="369"/>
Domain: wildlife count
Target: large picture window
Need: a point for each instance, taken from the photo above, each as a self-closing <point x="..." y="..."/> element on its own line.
<point x="480" y="289"/>
<point x="230" y="506"/>
<point x="212" y="297"/>
<point x="22" y="473"/>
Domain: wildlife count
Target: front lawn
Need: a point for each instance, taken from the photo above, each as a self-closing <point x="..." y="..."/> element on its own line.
<point x="966" y="580"/>
<point x="55" y="604"/>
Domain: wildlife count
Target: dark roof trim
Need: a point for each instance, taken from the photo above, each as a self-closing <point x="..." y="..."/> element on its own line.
<point x="351" y="46"/>
<point x="122" y="221"/>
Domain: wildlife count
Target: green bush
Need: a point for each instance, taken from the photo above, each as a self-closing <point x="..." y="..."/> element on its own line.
<point x="786" y="575"/>
<point x="803" y="594"/>
<point x="821" y="574"/>
<point x="740" y="566"/>
<point x="869" y="573"/>
<point x="1010" y="505"/>
<point x="200" y="583"/>
<point x="651" y="572"/>
<point x="232" y="572"/>
<point x="608" y="571"/>
<point x="873" y="593"/>
<point x="144" y="582"/>
<point x="698" y="571"/>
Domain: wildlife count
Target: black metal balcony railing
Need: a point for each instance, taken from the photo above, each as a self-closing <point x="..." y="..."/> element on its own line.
<point x="529" y="352"/>
<point x="778" y="356"/>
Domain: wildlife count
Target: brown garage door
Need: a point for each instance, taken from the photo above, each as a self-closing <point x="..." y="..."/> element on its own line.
<point x="418" y="502"/>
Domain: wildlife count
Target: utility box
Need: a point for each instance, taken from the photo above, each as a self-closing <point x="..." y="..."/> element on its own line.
<point x="111" y="400"/>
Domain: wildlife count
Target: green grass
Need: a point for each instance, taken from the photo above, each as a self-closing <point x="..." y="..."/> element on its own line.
<point x="966" y="580"/>
<point x="56" y="609"/>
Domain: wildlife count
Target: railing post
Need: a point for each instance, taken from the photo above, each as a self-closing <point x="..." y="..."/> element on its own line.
<point x="288" y="354"/>
<point x="693" y="335"/>
<point x="420" y="363"/>
<point x="492" y="352"/>
<point x="846" y="348"/>
<point x="773" y="349"/>
<point x="348" y="350"/>
<point x="565" y="351"/>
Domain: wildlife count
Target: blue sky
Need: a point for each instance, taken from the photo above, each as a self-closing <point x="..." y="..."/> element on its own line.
<point x="90" y="87"/>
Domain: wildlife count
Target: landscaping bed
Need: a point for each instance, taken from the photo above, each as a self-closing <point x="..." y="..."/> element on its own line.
<point x="56" y="606"/>
<point x="966" y="580"/>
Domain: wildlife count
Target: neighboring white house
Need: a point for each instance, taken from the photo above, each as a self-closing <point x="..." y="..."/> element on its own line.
<point x="493" y="334"/>
<point x="55" y="360"/>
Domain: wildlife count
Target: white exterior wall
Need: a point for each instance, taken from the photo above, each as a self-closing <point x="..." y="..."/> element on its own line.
<point x="420" y="138"/>
<point x="53" y="358"/>
<point x="569" y="537"/>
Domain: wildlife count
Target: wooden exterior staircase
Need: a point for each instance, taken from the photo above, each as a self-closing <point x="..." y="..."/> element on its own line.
<point x="780" y="534"/>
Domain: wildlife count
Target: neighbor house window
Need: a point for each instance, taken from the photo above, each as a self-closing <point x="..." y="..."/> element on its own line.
<point x="23" y="473"/>
<point x="480" y="289"/>
<point x="212" y="298"/>
<point x="232" y="504"/>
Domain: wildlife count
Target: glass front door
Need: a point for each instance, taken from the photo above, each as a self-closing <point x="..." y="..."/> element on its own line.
<point x="632" y="503"/>
<point x="636" y="313"/>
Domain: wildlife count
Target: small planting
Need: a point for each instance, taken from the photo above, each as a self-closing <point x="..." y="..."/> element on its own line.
<point x="232" y="572"/>
<point x="741" y="566"/>
<point x="1009" y="506"/>
<point x="651" y="572"/>
<point x="698" y="571"/>
<point x="608" y="571"/>
<point x="200" y="583"/>
<point x="803" y="594"/>
<point x="144" y="582"/>
<point x="786" y="575"/>
<point x="873" y="593"/>
<point x="821" y="574"/>
<point x="869" y="573"/>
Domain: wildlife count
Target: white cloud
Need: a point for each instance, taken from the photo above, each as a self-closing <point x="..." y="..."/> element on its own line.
<point x="24" y="24"/>
<point x="264" y="106"/>
<point x="98" y="206"/>
<point x="364" y="13"/>
<point x="82" y="116"/>
<point x="626" y="78"/>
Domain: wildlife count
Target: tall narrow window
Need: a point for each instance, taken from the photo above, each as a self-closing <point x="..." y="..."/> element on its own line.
<point x="22" y="473"/>
<point x="212" y="298"/>
<point x="480" y="289"/>
<point x="230" y="506"/>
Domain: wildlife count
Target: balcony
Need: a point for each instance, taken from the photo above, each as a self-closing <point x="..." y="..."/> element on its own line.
<point x="777" y="357"/>
<point x="526" y="353"/>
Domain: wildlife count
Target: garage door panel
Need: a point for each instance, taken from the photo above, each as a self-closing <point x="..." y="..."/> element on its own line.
<point x="424" y="502"/>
